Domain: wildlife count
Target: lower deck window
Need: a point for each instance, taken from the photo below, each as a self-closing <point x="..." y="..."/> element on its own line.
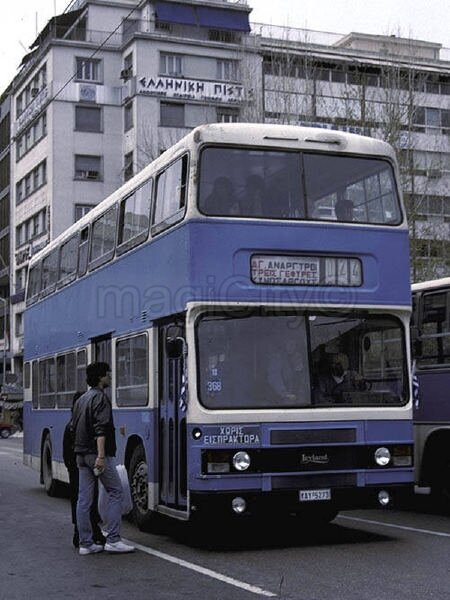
<point x="132" y="371"/>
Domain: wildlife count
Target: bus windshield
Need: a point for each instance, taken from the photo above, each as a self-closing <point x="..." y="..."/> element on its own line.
<point x="297" y="185"/>
<point x="292" y="360"/>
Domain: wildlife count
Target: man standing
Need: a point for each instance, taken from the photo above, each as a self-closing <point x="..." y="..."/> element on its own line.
<point x="95" y="449"/>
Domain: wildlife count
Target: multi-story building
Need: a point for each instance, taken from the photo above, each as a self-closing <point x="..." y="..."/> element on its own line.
<point x="108" y="85"/>
<point x="5" y="176"/>
<point x="387" y="87"/>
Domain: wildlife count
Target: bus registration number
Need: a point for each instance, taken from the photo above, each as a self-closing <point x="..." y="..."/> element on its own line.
<point x="314" y="495"/>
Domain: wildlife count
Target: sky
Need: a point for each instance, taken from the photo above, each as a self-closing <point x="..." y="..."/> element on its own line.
<point x="421" y="19"/>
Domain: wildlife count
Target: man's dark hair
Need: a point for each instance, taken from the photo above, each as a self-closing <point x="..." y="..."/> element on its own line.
<point x="95" y="371"/>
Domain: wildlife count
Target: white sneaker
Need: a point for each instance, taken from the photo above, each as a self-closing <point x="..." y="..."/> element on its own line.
<point x="118" y="547"/>
<point x="92" y="549"/>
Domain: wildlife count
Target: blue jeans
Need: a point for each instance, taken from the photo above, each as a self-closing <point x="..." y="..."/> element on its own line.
<point x="111" y="481"/>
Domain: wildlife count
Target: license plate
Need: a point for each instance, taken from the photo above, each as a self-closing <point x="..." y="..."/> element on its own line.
<point x="314" y="495"/>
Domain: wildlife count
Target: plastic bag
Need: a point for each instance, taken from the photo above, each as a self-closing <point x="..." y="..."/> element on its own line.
<point x="127" y="502"/>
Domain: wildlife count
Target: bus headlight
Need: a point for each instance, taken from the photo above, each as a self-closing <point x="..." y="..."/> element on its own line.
<point x="382" y="456"/>
<point x="241" y="461"/>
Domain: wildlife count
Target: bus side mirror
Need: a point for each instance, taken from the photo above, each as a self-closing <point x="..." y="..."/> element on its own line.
<point x="416" y="342"/>
<point x="175" y="347"/>
<point x="175" y="342"/>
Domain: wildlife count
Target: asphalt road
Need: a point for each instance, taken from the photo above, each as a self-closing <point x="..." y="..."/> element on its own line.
<point x="382" y="555"/>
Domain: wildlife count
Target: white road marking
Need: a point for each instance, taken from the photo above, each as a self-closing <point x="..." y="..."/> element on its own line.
<point x="404" y="527"/>
<point x="204" y="571"/>
<point x="10" y="451"/>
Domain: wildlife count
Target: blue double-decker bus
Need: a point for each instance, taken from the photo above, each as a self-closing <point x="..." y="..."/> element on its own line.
<point x="250" y="289"/>
<point x="431" y="343"/>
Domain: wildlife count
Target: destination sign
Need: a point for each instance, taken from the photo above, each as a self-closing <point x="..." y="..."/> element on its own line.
<point x="306" y="270"/>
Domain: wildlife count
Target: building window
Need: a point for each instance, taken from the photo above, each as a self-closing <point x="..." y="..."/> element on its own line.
<point x="432" y="119"/>
<point x="88" y="118"/>
<point x="88" y="69"/>
<point x="171" y="64"/>
<point x="32" y="90"/>
<point x="222" y="35"/>
<point x="31" y="136"/>
<point x="81" y="210"/>
<point x="19" y="324"/>
<point x="172" y="115"/>
<point x="21" y="279"/>
<point x="31" y="228"/>
<point x="88" y="167"/>
<point x="227" y="115"/>
<point x="227" y="70"/>
<point x="29" y="184"/>
<point x="128" y="169"/>
<point x="127" y="70"/>
<point x="128" y="116"/>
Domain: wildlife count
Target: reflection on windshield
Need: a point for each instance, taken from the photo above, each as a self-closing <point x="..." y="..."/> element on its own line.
<point x="294" y="361"/>
<point x="292" y="185"/>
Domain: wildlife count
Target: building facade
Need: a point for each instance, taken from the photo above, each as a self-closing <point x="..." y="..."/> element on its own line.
<point x="108" y="85"/>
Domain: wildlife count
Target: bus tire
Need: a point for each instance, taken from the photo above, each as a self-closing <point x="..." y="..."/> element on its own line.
<point x="144" y="518"/>
<point x="440" y="483"/>
<point x="51" y="485"/>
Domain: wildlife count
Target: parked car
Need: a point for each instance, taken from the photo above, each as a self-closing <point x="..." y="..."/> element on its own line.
<point x="6" y="429"/>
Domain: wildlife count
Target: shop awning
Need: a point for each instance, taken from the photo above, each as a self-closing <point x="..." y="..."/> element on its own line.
<point x="172" y="12"/>
<point x="220" y="18"/>
<point x="204" y="16"/>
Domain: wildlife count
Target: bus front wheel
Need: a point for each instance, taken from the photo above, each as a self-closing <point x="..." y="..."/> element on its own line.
<point x="138" y="475"/>
<point x="50" y="484"/>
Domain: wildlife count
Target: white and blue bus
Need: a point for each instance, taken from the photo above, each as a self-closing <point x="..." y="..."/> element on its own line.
<point x="431" y="343"/>
<point x="250" y="289"/>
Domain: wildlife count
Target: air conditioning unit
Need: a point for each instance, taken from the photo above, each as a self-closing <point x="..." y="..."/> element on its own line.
<point x="34" y="92"/>
<point x="126" y="73"/>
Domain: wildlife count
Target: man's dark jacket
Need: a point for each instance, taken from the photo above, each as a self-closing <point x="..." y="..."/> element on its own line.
<point x="92" y="418"/>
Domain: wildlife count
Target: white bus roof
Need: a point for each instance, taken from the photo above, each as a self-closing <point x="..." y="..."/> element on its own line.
<point x="240" y="134"/>
<point x="430" y="285"/>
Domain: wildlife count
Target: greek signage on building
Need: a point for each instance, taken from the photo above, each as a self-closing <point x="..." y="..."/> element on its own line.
<point x="191" y="89"/>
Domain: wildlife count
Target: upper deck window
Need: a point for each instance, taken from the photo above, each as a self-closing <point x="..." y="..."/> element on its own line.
<point x="34" y="282"/>
<point x="50" y="271"/>
<point x="435" y="330"/>
<point x="270" y="184"/>
<point x="170" y="194"/>
<point x="134" y="216"/>
<point x="68" y="260"/>
<point x="103" y="237"/>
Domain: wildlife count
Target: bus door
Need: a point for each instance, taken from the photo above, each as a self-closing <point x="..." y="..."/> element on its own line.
<point x="172" y="417"/>
<point x="101" y="352"/>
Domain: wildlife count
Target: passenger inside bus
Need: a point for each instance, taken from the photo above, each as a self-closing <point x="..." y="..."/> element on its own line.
<point x="255" y="198"/>
<point x="336" y="379"/>
<point x="344" y="210"/>
<point x="222" y="200"/>
<point x="287" y="374"/>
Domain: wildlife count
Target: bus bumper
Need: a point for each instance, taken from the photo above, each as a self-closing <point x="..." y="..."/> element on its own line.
<point x="288" y="502"/>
